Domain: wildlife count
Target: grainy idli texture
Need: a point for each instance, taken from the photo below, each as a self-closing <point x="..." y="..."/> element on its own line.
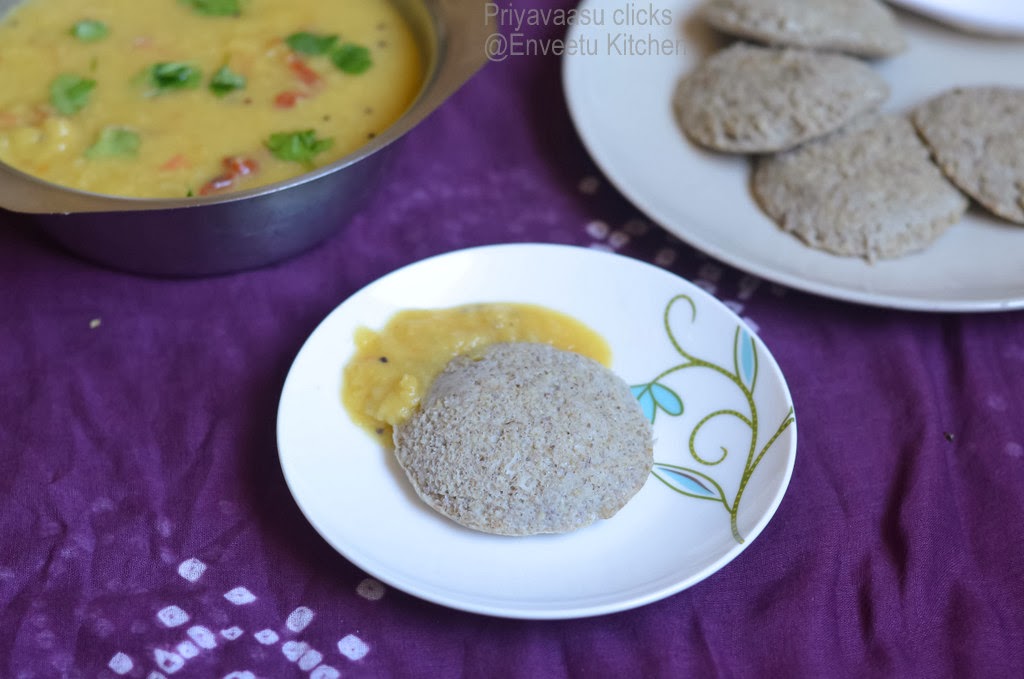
<point x="865" y="28"/>
<point x="868" y="190"/>
<point x="748" y="99"/>
<point x="977" y="137"/>
<point x="526" y="439"/>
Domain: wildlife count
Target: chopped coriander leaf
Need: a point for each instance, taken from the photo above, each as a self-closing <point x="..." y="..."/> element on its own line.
<point x="89" y="30"/>
<point x="69" y="93"/>
<point x="114" y="142"/>
<point x="300" y="147"/>
<point x="311" y="43"/>
<point x="174" y="75"/>
<point x="216" y="8"/>
<point x="225" y="81"/>
<point x="351" y="58"/>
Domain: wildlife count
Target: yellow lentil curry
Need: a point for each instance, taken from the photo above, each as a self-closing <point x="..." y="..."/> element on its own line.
<point x="173" y="98"/>
<point x="392" y="369"/>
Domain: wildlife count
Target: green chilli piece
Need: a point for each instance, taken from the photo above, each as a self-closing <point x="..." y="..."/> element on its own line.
<point x="225" y="81"/>
<point x="174" y="75"/>
<point x="89" y="30"/>
<point x="216" y="8"/>
<point x="299" y="147"/>
<point x="115" y="142"/>
<point x="352" y="58"/>
<point x="69" y="93"/>
<point x="311" y="43"/>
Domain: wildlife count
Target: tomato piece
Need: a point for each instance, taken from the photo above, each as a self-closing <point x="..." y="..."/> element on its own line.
<point x="287" y="99"/>
<point x="240" y="166"/>
<point x="305" y="74"/>
<point x="216" y="184"/>
<point x="39" y="114"/>
<point x="235" y="167"/>
<point x="177" y="162"/>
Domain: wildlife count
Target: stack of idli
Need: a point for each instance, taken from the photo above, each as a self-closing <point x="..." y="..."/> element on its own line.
<point x="829" y="168"/>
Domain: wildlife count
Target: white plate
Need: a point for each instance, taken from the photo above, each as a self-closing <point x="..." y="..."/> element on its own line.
<point x="621" y="105"/>
<point x="661" y="542"/>
<point x="1003" y="18"/>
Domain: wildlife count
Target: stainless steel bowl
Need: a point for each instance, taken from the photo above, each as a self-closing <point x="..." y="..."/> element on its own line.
<point x="248" y="229"/>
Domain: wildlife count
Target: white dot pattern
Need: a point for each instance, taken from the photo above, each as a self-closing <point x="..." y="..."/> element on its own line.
<point x="240" y="596"/>
<point x="370" y="589"/>
<point x="231" y="633"/>
<point x="711" y="272"/>
<point x="266" y="637"/>
<point x="598" y="230"/>
<point x="172" y="616"/>
<point x="589" y="185"/>
<point x="299" y="619"/>
<point x="310" y="659"/>
<point x="352" y="647"/>
<point x="636" y="227"/>
<point x="734" y="306"/>
<point x="618" y="239"/>
<point x="294" y="649"/>
<point x="706" y="285"/>
<point x="187" y="649"/>
<point x="167" y="661"/>
<point x="191" y="569"/>
<point x="121" y="664"/>
<point x="665" y="257"/>
<point x="202" y="637"/>
<point x="747" y="286"/>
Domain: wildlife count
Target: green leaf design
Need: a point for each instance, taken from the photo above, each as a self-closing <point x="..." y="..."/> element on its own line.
<point x="655" y="395"/>
<point x="311" y="43"/>
<point x="89" y="30"/>
<point x="352" y="58"/>
<point x="114" y="142"/>
<point x="69" y="93"/>
<point x="745" y="357"/>
<point x="690" y="482"/>
<point x="642" y="393"/>
<point x="666" y="399"/>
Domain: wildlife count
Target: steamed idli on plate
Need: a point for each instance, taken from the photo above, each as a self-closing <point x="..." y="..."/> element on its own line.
<point x="977" y="136"/>
<point x="526" y="439"/>
<point x="865" y="28"/>
<point x="867" y="191"/>
<point x="748" y="99"/>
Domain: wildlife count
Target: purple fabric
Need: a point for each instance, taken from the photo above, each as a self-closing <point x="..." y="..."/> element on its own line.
<point x="136" y="450"/>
